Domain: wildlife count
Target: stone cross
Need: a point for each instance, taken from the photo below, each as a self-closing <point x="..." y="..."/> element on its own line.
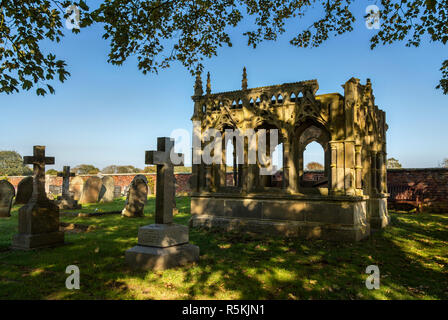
<point x="165" y="158"/>
<point x="38" y="160"/>
<point x="66" y="174"/>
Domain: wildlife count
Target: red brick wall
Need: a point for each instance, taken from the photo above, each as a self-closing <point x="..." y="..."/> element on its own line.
<point x="431" y="182"/>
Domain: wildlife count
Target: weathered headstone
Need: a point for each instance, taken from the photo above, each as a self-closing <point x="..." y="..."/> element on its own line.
<point x="76" y="186"/>
<point x="24" y="190"/>
<point x="107" y="190"/>
<point x="164" y="244"/>
<point x="39" y="218"/>
<point x="66" y="201"/>
<point x="7" y="193"/>
<point x="136" y="197"/>
<point x="91" y="190"/>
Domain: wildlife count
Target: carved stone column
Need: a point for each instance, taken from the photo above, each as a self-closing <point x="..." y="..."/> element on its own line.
<point x="286" y="164"/>
<point x="358" y="171"/>
<point x="384" y="173"/>
<point x="333" y="179"/>
<point x="222" y="166"/>
<point x="374" y="175"/>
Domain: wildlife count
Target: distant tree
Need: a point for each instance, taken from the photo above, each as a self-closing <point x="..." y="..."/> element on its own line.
<point x="444" y="163"/>
<point x="86" y="169"/>
<point x="314" y="166"/>
<point x="109" y="169"/>
<point x="120" y="169"/>
<point x="52" y="172"/>
<point x="393" y="163"/>
<point x="11" y="164"/>
<point x="128" y="169"/>
<point x="150" y="169"/>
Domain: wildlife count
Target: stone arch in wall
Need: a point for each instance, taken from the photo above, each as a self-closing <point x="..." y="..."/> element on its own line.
<point x="309" y="131"/>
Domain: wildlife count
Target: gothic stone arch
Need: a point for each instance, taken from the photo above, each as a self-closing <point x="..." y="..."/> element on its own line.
<point x="352" y="132"/>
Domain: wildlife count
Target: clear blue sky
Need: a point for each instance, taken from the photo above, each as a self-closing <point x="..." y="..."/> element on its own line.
<point x="104" y="114"/>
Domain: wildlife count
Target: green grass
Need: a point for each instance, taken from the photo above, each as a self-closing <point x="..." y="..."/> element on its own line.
<point x="412" y="254"/>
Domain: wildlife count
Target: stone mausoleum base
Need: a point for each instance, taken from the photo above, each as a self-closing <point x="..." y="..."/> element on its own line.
<point x="307" y="216"/>
<point x="379" y="216"/>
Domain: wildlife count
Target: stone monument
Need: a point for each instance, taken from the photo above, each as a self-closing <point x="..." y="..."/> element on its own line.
<point x="346" y="204"/>
<point x="91" y="190"/>
<point x="24" y="191"/>
<point x="76" y="186"/>
<point x="136" y="198"/>
<point x="66" y="201"/>
<point x="108" y="189"/>
<point x="164" y="244"/>
<point x="7" y="193"/>
<point x="39" y="218"/>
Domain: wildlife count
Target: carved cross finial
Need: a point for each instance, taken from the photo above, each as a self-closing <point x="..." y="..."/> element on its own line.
<point x="165" y="159"/>
<point x="244" y="82"/>
<point x="38" y="160"/>
<point x="209" y="86"/>
<point x="198" y="84"/>
<point x="66" y="174"/>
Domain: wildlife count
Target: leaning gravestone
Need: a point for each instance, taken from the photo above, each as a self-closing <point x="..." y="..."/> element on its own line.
<point x="39" y="218"/>
<point x="107" y="190"/>
<point x="91" y="190"/>
<point x="24" y="190"/>
<point x="76" y="186"/>
<point x="136" y="197"/>
<point x="164" y="244"/>
<point x="7" y="192"/>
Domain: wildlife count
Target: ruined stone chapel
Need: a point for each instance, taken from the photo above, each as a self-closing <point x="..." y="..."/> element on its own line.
<point x="347" y="202"/>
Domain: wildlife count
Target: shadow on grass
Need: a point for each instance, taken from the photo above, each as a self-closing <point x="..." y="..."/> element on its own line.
<point x="411" y="255"/>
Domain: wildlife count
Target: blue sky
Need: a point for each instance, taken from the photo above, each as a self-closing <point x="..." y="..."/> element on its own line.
<point x="104" y="114"/>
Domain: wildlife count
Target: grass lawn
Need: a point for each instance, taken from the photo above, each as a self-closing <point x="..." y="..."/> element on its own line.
<point x="412" y="255"/>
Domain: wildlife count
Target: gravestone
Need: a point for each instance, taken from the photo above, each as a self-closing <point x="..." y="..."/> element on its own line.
<point x="91" y="190"/>
<point x="7" y="193"/>
<point x="24" y="190"/>
<point x="108" y="189"/>
<point x="136" y="197"/>
<point x="117" y="192"/>
<point x="66" y="201"/>
<point x="39" y="218"/>
<point x="76" y="186"/>
<point x="164" y="244"/>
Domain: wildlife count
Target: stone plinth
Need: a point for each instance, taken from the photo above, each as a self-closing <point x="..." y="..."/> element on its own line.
<point x="67" y="203"/>
<point x="153" y="258"/>
<point x="162" y="246"/>
<point x="38" y="227"/>
<point x="162" y="235"/>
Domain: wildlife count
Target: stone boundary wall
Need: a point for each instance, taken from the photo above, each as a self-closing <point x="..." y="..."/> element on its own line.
<point x="431" y="182"/>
